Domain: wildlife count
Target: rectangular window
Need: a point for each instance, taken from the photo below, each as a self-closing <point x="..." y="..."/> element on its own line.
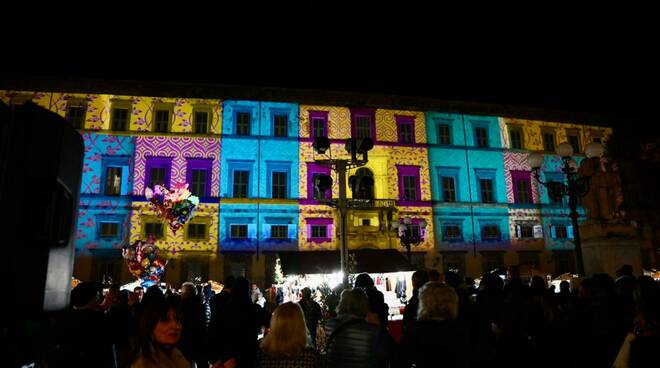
<point x="241" y="183"/>
<point x="279" y="185"/>
<point x="444" y="136"/>
<point x="319" y="231"/>
<point x="363" y="127"/>
<point x="486" y="186"/>
<point x="201" y="125"/>
<point x="448" y="189"/>
<point x="406" y="133"/>
<point x="108" y="229"/>
<point x="415" y="230"/>
<point x="410" y="188"/>
<point x="481" y="137"/>
<point x="318" y="127"/>
<point x="525" y="231"/>
<point x="561" y="232"/>
<point x="75" y="115"/>
<point x="197" y="231"/>
<point x="597" y="140"/>
<point x="242" y="123"/>
<point x="162" y="121"/>
<point x="491" y="232"/>
<point x="120" y="119"/>
<point x="198" y="182"/>
<point x="157" y="176"/>
<point x="155" y="229"/>
<point x="280" y="125"/>
<point x="452" y="232"/>
<point x="574" y="140"/>
<point x="366" y="222"/>
<point x="522" y="188"/>
<point x="113" y="181"/>
<point x="239" y="231"/>
<point x="279" y="231"/>
<point x="549" y="142"/>
<point x="515" y="135"/>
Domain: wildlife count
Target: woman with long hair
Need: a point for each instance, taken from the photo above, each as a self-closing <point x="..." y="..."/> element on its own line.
<point x="286" y="344"/>
<point x="158" y="334"/>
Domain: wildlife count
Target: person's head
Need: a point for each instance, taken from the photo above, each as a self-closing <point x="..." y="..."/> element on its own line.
<point x="513" y="273"/>
<point x="241" y="288"/>
<point x="491" y="283"/>
<point x="306" y="293"/>
<point x="288" y="332"/>
<point x="139" y="291"/>
<point x="160" y="325"/>
<point x="437" y="301"/>
<point x="564" y="287"/>
<point x="434" y="275"/>
<point x="625" y="270"/>
<point x="188" y="290"/>
<point x="419" y="278"/>
<point x="229" y="282"/>
<point x="452" y="279"/>
<point x="364" y="281"/>
<point x="538" y="284"/>
<point x="469" y="281"/>
<point x="86" y="295"/>
<point x="353" y="301"/>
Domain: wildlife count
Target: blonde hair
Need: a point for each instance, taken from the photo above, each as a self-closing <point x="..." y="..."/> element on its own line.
<point x="437" y="301"/>
<point x="353" y="301"/>
<point x="288" y="332"/>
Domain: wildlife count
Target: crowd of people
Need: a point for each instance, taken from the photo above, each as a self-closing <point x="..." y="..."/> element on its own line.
<point x="448" y="322"/>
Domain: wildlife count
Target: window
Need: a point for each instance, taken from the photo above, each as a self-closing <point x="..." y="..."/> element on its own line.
<point x="515" y="135"/>
<point x="198" y="182"/>
<point x="197" y="231"/>
<point x="492" y="261"/>
<point x="597" y="140"/>
<point x="108" y="229"/>
<point x="528" y="259"/>
<point x="155" y="229"/>
<point x="279" y="231"/>
<point x="242" y="123"/>
<point x="280" y="125"/>
<point x="486" y="186"/>
<point x="410" y="188"/>
<point x="318" y="127"/>
<point x="157" y="176"/>
<point x="491" y="232"/>
<point x="363" y="127"/>
<point x="451" y="232"/>
<point x="279" y="185"/>
<point x="522" y="189"/>
<point x="106" y="271"/>
<point x="574" y="140"/>
<point x="444" y="136"/>
<point x="406" y="132"/>
<point x="162" y="121"/>
<point x="241" y="183"/>
<point x="366" y="222"/>
<point x="120" y="119"/>
<point x="415" y="230"/>
<point x="525" y="231"/>
<point x="549" y="142"/>
<point x="75" y="114"/>
<point x="239" y="231"/>
<point x="481" y="137"/>
<point x="319" y="231"/>
<point x="448" y="189"/>
<point x="560" y="231"/>
<point x="564" y="262"/>
<point x="201" y="123"/>
<point x="113" y="181"/>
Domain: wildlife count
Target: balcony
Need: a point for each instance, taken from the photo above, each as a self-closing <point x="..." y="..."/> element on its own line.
<point x="371" y="204"/>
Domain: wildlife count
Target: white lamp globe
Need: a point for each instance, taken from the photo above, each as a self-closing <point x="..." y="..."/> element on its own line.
<point x="573" y="164"/>
<point x="565" y="150"/>
<point x="402" y="227"/>
<point x="422" y="224"/>
<point x="594" y="149"/>
<point x="395" y="224"/>
<point x="407" y="221"/>
<point x="535" y="160"/>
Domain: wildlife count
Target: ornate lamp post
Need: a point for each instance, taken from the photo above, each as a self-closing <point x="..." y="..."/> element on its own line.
<point x="355" y="147"/>
<point x="409" y="237"/>
<point x="575" y="186"/>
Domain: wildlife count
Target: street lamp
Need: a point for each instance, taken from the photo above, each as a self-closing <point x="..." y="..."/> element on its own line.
<point x="574" y="187"/>
<point x="323" y="182"/>
<point x="410" y="235"/>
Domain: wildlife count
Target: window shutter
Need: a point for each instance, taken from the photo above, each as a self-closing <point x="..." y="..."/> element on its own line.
<point x="252" y="231"/>
<point x="124" y="180"/>
<point x="518" y="231"/>
<point x="538" y="231"/>
<point x="292" y="231"/>
<point x="553" y="231"/>
<point x="569" y="231"/>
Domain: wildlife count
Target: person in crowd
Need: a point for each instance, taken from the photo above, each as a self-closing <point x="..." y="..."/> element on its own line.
<point x="436" y="338"/>
<point x="352" y="342"/>
<point x="158" y="335"/>
<point x="286" y="344"/>
<point x="434" y="275"/>
<point x="218" y="306"/>
<point x="193" y="334"/>
<point x="311" y="311"/>
<point x="419" y="278"/>
<point x="139" y="291"/>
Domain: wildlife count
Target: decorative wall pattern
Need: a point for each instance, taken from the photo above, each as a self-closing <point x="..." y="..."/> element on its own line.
<point x="179" y="148"/>
<point x="518" y="161"/>
<point x="386" y="128"/>
<point x="339" y="121"/>
<point x="309" y="212"/>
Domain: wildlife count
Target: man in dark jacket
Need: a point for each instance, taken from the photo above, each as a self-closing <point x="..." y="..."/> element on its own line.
<point x="193" y="332"/>
<point x="312" y="312"/>
<point x="419" y="278"/>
